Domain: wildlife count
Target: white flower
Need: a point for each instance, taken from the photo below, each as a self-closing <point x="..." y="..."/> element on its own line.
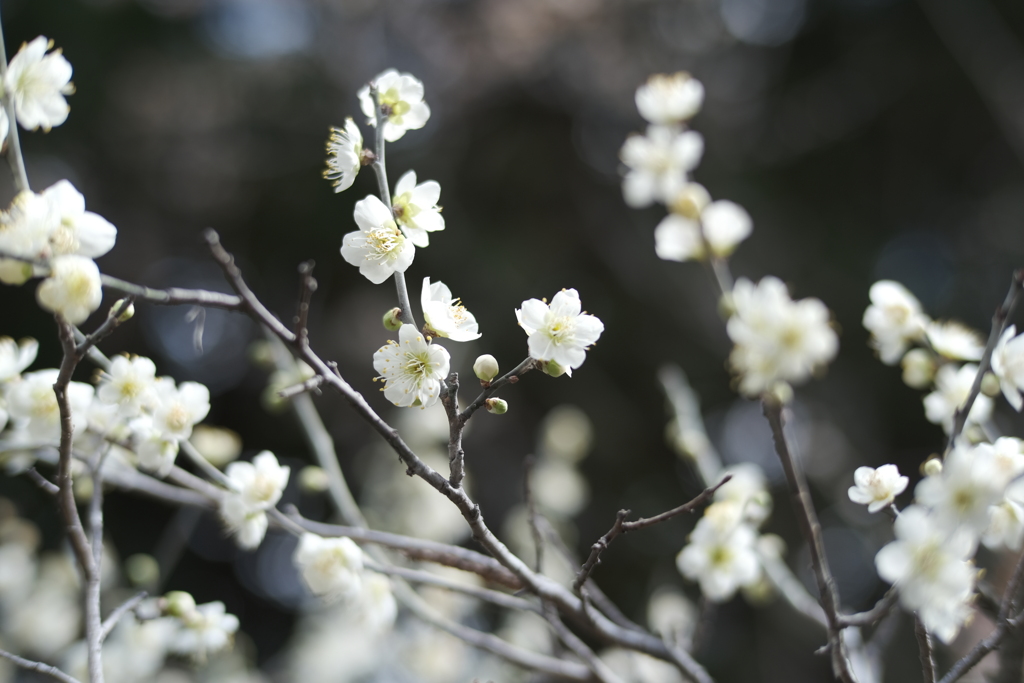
<point x="1008" y="364"/>
<point x="37" y="82"/>
<point x="722" y="226"/>
<point x="447" y="316"/>
<point x="179" y="409"/>
<point x="559" y="332"/>
<point x="658" y="163"/>
<point x="329" y="566"/>
<point x="156" y="452"/>
<point x="130" y="384"/>
<point x="376" y="604"/>
<point x="73" y="288"/>
<point x="954" y="340"/>
<point x="748" y="489"/>
<point x="402" y="95"/>
<point x="952" y="386"/>
<point x="678" y="238"/>
<point x="77" y="231"/>
<point x="721" y="554"/>
<point x="777" y="339"/>
<point x="411" y="368"/>
<point x="26" y="226"/>
<point x="960" y="496"/>
<point x="877" y="488"/>
<point x="15" y="357"/>
<point x="416" y="208"/>
<point x="259" y="484"/>
<point x="248" y="526"/>
<point x="32" y="400"/>
<point x="205" y="630"/>
<point x="344" y="155"/>
<point x="930" y="566"/>
<point x="379" y="248"/>
<point x="669" y="98"/>
<point x="725" y="225"/>
<point x="1005" y="526"/>
<point x="894" y="319"/>
<point x="1007" y="453"/>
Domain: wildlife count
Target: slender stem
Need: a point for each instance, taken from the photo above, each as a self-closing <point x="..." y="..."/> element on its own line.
<point x="124" y="608"/>
<point x="486" y="594"/>
<point x="999" y="320"/>
<point x="175" y="295"/>
<point x="876" y="613"/>
<point x="14" y="156"/>
<point x="810" y="529"/>
<point x="792" y="589"/>
<point x="692" y="439"/>
<point x="39" y="667"/>
<point x="204" y="465"/>
<point x="926" y="650"/>
<point x="600" y="670"/>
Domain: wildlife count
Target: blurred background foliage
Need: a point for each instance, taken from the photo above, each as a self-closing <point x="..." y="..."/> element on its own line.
<point x="867" y="138"/>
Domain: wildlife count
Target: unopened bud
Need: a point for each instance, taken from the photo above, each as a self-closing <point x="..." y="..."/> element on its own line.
<point x="179" y="604"/>
<point x="486" y="367"/>
<point x="313" y="479"/>
<point x="142" y="569"/>
<point x="392" y="319"/>
<point x="552" y="368"/>
<point x="126" y="315"/>
<point x="918" y="368"/>
<point x="932" y="467"/>
<point x="990" y="385"/>
<point x="366" y="157"/>
<point x="496" y="405"/>
<point x="14" y="272"/>
<point x="690" y="201"/>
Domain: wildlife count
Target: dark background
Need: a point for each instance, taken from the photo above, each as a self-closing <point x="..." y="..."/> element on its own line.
<point x="867" y="138"/>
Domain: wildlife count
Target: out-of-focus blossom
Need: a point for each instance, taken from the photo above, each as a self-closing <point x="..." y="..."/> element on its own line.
<point x="15" y="357"/>
<point x="77" y="231"/>
<point x="721" y="554"/>
<point x="669" y="98"/>
<point x="959" y="497"/>
<point x="331" y="567"/>
<point x="129" y="384"/>
<point x="207" y="629"/>
<point x="33" y="403"/>
<point x="952" y="386"/>
<point x="894" y="319"/>
<point x="658" y="164"/>
<point x="1008" y="364"/>
<point x="179" y="408"/>
<point x="954" y="340"/>
<point x="721" y="228"/>
<point x="73" y="288"/>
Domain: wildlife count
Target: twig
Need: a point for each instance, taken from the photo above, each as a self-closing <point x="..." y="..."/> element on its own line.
<point x="621" y="526"/>
<point x="792" y="589"/>
<point x="876" y="613"/>
<point x="42" y="482"/>
<point x="810" y="529"/>
<point x="39" y="667"/>
<point x="173" y="296"/>
<point x="510" y="377"/>
<point x="533" y="516"/>
<point x="124" y="608"/>
<point x="456" y="455"/>
<point x="692" y="439"/>
<point x="105" y="329"/>
<point x="999" y="320"/>
<point x="311" y="384"/>
<point x="306" y="293"/>
<point x="14" y="156"/>
<point x="580" y="649"/>
<point x="978" y="652"/>
<point x="924" y="646"/>
<point x="204" y="465"/>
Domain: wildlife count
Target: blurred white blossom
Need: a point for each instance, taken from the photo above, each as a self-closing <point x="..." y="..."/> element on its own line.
<point x="207" y="629"/>
<point x="959" y="497"/>
<point x="954" y="340"/>
<point x="669" y="98"/>
<point x="952" y="386"/>
<point x="1008" y="365"/>
<point x="722" y="225"/>
<point x="75" y="230"/>
<point x="129" y="384"/>
<point x="32" y="403"/>
<point x="16" y="356"/>
<point x="331" y="567"/>
<point x="256" y="487"/>
<point x="894" y="319"/>
<point x="179" y="408"/>
<point x="73" y="288"/>
<point x="658" y="164"/>
<point x="721" y="554"/>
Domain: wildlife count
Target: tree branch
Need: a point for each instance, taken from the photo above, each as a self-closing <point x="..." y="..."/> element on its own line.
<point x="924" y="646"/>
<point x="124" y="608"/>
<point x="39" y="667"/>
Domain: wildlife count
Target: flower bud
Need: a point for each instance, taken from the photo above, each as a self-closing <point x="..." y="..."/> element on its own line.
<point x="486" y="367"/>
<point x="496" y="405"/>
<point x="392" y="320"/>
<point x="217" y="444"/>
<point x="179" y="604"/>
<point x="14" y="272"/>
<point x="990" y="385"/>
<point x="932" y="467"/>
<point x="918" y="368"/>
<point x="142" y="569"/>
<point x="128" y="313"/>
<point x="552" y="368"/>
<point x="690" y="201"/>
<point x="313" y="479"/>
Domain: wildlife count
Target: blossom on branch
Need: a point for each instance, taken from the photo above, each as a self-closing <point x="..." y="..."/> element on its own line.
<point x="75" y="230"/>
<point x="16" y="356"/>
<point x="331" y="567"/>
<point x="411" y="368"/>
<point x="37" y="81"/>
<point x="777" y="339"/>
<point x="344" y="155"/>
<point x="446" y="315"/>
<point x="179" y="408"/>
<point x="722" y="552"/>
<point x="877" y="488"/>
<point x="559" y="332"/>
<point x="130" y="384"/>
<point x="952" y="386"/>
<point x="658" y="164"/>
<point x="73" y="288"/>
<point x="33" y="404"/>
<point x="960" y="495"/>
<point x="379" y="248"/>
<point x="1008" y="365"/>
<point x="894" y="319"/>
<point x="954" y="340"/>
<point x="669" y="98"/>
<point x="257" y="486"/>
<point x="401" y="97"/>
<point x="415" y="208"/>
<point x="720" y="228"/>
<point x="206" y="629"/>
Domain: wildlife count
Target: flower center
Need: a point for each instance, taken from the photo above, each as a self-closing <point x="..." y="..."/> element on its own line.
<point x="418" y="366"/>
<point x="177" y="418"/>
<point x="263" y="488"/>
<point x="383" y="240"/>
<point x="397" y="107"/>
<point x="561" y="328"/>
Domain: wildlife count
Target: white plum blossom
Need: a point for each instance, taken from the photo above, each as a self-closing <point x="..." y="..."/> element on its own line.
<point x="678" y="238"/>
<point x="725" y="225"/>
<point x="749" y="489"/>
<point x="75" y="230"/>
<point x="1007" y="453"/>
<point x="1005" y="526"/>
<point x="446" y="315"/>
<point x="16" y="356"/>
<point x="256" y="487"/>
<point x="32" y="402"/>
<point x="894" y="319"/>
<point x="669" y="98"/>
<point x="952" y="386"/>
<point x="37" y="81"/>
<point x="931" y="568"/>
<point x="658" y="164"/>
<point x="722" y="552"/>
<point x="877" y="488"/>
<point x="156" y="453"/>
<point x="559" y="332"/>
<point x="722" y="226"/>
<point x="960" y="495"/>
<point x="1008" y="365"/>
<point x="376" y="604"/>
<point x="73" y="288"/>
<point x="344" y="155"/>
<point x="411" y="368"/>
<point x="777" y="339"/>
<point x="179" y="408"/>
<point x="415" y="207"/>
<point x="26" y="226"/>
<point x="331" y="567"/>
<point x="954" y="340"/>
<point x="129" y="384"/>
<point x="379" y="248"/>
<point x="402" y="97"/>
<point x="205" y="630"/>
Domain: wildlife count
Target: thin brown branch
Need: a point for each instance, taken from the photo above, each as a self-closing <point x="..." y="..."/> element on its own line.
<point x="876" y="613"/>
<point x="124" y="608"/>
<point x="981" y="649"/>
<point x="39" y="667"/>
<point x="310" y="385"/>
<point x="305" y="294"/>
<point x="174" y="296"/>
<point x="510" y="377"/>
<point x="105" y="329"/>
<point x="621" y="526"/>
<point x="42" y="482"/>
<point x="456" y="455"/>
<point x="600" y="670"/>
<point x="926" y="650"/>
<point x="533" y="516"/>
<point x="999" y="320"/>
<point x="810" y="529"/>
